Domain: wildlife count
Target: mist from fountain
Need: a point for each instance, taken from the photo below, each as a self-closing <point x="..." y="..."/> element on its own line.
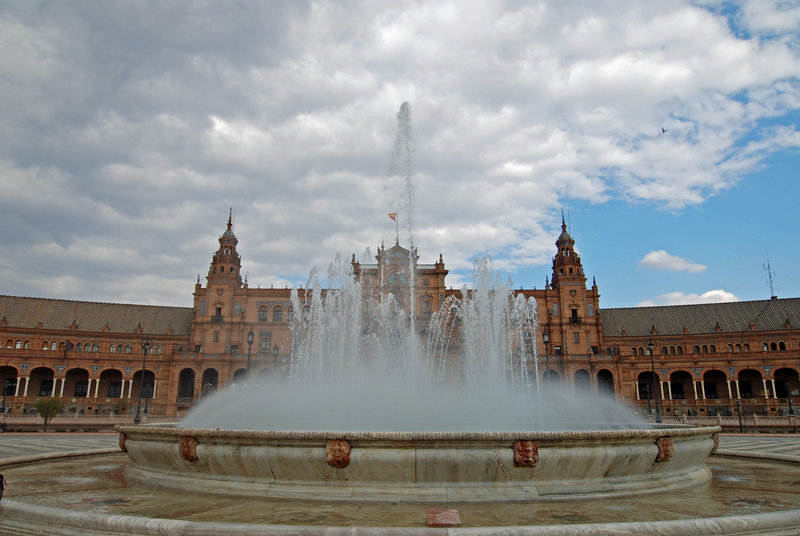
<point x="359" y="362"/>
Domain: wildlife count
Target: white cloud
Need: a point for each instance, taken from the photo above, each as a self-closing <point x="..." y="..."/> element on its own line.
<point x="133" y="111"/>
<point x="681" y="298"/>
<point x="661" y="260"/>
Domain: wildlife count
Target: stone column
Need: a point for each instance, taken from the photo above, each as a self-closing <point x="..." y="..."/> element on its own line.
<point x="16" y="387"/>
<point x="97" y="388"/>
<point x="155" y="387"/>
<point x="27" y="382"/>
<point x="669" y="390"/>
<point x="63" y="382"/>
<point x="766" y="391"/>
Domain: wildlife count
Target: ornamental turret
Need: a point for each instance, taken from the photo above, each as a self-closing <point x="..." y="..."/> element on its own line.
<point x="226" y="263"/>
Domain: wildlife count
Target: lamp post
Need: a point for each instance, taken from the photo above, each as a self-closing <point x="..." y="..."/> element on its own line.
<point x="250" y="338"/>
<point x="3" y="407"/>
<point x="650" y="346"/>
<point x="275" y="353"/>
<point x="546" y="341"/>
<point x="145" y="347"/>
<point x="788" y="397"/>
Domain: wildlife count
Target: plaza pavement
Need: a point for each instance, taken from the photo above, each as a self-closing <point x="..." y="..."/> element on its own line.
<point x="13" y="445"/>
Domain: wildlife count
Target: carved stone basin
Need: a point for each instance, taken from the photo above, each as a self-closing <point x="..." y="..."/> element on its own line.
<point x="424" y="466"/>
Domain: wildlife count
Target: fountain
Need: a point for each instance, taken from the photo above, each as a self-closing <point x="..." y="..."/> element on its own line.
<point x="372" y="410"/>
<point x="376" y="410"/>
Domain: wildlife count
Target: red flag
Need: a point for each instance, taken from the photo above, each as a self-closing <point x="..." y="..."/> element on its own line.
<point x="393" y="215"/>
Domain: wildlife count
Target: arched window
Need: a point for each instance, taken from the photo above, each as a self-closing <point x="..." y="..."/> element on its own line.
<point x="730" y="348"/>
<point x="773" y="346"/>
<point x="672" y="350"/>
<point x="9" y="343"/>
<point x="27" y="345"/>
<point x="705" y="349"/>
<point x="52" y="345"/>
<point x="633" y="351"/>
<point x="128" y="349"/>
<point x="159" y="350"/>
<point x="738" y="347"/>
<point x="86" y="347"/>
<point x="45" y="346"/>
<point x="764" y="347"/>
<point x="79" y="347"/>
<point x="680" y="350"/>
<point x="263" y="313"/>
<point x="112" y="348"/>
<point x="277" y="314"/>
<point x="96" y="347"/>
<point x="746" y="347"/>
<point x="781" y="345"/>
<point x="664" y="350"/>
<point x="712" y="349"/>
<point x="696" y="349"/>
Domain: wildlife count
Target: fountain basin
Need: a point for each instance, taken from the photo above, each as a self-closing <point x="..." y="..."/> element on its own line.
<point x="420" y="466"/>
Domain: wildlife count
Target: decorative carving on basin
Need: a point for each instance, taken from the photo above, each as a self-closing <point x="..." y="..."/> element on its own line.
<point x="337" y="453"/>
<point x="188" y="448"/>
<point x="715" y="439"/>
<point x="526" y="453"/>
<point x="665" y="449"/>
<point x="122" y="439"/>
<point x="422" y="466"/>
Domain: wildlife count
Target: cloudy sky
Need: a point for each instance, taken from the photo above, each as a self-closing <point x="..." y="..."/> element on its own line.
<point x="666" y="131"/>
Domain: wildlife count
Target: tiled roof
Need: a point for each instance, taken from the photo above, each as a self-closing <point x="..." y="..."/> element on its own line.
<point x="763" y="315"/>
<point x="23" y="312"/>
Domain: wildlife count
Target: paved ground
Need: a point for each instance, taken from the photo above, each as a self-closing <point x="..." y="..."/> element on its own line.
<point x="21" y="444"/>
<point x="24" y="444"/>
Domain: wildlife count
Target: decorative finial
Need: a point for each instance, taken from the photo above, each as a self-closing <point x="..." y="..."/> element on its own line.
<point x="230" y="216"/>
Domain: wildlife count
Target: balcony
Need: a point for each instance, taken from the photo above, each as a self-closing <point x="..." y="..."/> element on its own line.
<point x="217" y="319"/>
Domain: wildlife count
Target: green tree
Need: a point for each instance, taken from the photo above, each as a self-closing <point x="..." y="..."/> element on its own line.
<point x="48" y="408"/>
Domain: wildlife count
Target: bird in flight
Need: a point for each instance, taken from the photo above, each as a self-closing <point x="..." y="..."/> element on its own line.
<point x="663" y="130"/>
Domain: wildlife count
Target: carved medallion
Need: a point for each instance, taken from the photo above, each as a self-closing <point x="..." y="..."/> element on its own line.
<point x="526" y="453"/>
<point x="337" y="453"/>
<point x="664" y="449"/>
<point x="188" y="448"/>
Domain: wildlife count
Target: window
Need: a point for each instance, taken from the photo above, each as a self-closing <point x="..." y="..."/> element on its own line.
<point x="557" y="350"/>
<point x="664" y="350"/>
<point x="128" y="349"/>
<point x="197" y="348"/>
<point x="216" y="336"/>
<point x="237" y="308"/>
<point x="96" y="348"/>
<point x="112" y="348"/>
<point x="46" y="388"/>
<point x="159" y="350"/>
<point x="277" y="314"/>
<point x="53" y="346"/>
<point x="696" y="349"/>
<point x="114" y="389"/>
<point x="764" y="346"/>
<point x="81" y="388"/>
<point x="712" y="349"/>
<point x="576" y="337"/>
<point x="18" y="345"/>
<point x="633" y="351"/>
<point x="555" y="309"/>
<point x="28" y="345"/>
<point x="234" y="349"/>
<point x="773" y="346"/>
<point x="680" y="350"/>
<point x="263" y="313"/>
<point x="746" y="347"/>
<point x="79" y="347"/>
<point x="781" y="345"/>
<point x="266" y="343"/>
<point x="590" y="309"/>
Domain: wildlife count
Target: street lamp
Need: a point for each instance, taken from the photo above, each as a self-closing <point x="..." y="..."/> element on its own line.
<point x="145" y="347"/>
<point x="546" y="341"/>
<point x="250" y="338"/>
<point x="3" y="407"/>
<point x="788" y="397"/>
<point x="650" y="346"/>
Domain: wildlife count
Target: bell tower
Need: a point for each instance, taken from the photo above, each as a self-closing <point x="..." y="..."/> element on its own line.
<point x="567" y="267"/>
<point x="226" y="264"/>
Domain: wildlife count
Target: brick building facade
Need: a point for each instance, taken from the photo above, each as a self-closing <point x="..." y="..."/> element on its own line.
<point x="692" y="359"/>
